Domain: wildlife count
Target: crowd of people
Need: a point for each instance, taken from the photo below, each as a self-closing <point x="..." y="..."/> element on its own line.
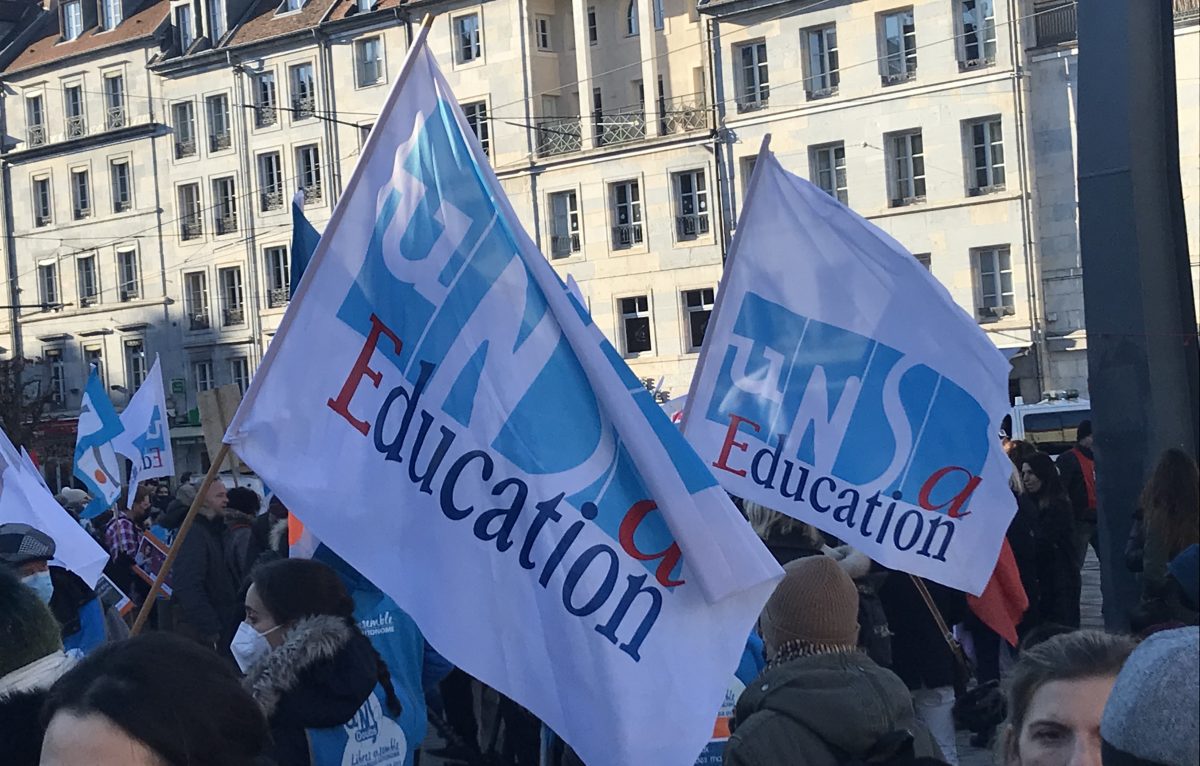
<point x="258" y="658"/>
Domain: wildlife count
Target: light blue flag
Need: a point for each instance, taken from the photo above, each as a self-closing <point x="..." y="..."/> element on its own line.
<point x="96" y="462"/>
<point x="304" y="241"/>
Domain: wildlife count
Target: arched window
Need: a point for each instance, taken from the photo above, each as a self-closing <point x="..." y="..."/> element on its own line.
<point x="631" y="19"/>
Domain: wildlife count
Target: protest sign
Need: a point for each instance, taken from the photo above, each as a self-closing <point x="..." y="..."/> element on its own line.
<point x="443" y="414"/>
<point x="96" y="462"/>
<point x="151" y="555"/>
<point x="112" y="597"/>
<point x="217" y="406"/>
<point x="146" y="440"/>
<point x="840" y="384"/>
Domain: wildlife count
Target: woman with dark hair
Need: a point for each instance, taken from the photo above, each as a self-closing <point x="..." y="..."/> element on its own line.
<point x="326" y="692"/>
<point x="1170" y="511"/>
<point x="152" y="700"/>
<point x="1058" y="576"/>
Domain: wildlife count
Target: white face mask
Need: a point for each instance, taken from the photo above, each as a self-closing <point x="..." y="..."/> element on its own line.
<point x="41" y="584"/>
<point x="249" y="646"/>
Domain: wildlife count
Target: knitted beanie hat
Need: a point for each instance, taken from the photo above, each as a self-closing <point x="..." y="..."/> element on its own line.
<point x="1152" y="716"/>
<point x="815" y="603"/>
<point x="28" y="630"/>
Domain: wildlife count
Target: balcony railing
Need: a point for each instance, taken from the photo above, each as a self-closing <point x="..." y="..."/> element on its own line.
<point x="1055" y="22"/>
<point x="198" y="320"/>
<point x="691" y="226"/>
<point x="81" y="211"/>
<point x="233" y="317"/>
<point x="621" y="126"/>
<point x="277" y="297"/>
<point x="41" y="219"/>
<point x="906" y="201"/>
<point x="896" y="78"/>
<point x="627" y="235"/>
<point x="265" y="115"/>
<point x="76" y="127"/>
<point x="814" y="90"/>
<point x="1187" y="11"/>
<point x="185" y="148"/>
<point x="967" y="65"/>
<point x="130" y="291"/>
<point x="303" y="106"/>
<point x="219" y="141"/>
<point x="752" y="102"/>
<point x="191" y="228"/>
<point x="227" y="224"/>
<point x="562" y="245"/>
<point x="980" y="191"/>
<point x="37" y="135"/>
<point x="684" y="114"/>
<point x="558" y="135"/>
<point x="121" y="205"/>
<point x="115" y="117"/>
<point x="312" y="193"/>
<point x="88" y="300"/>
<point x="271" y="200"/>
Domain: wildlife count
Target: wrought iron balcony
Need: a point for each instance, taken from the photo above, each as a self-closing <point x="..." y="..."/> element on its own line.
<point x="312" y="193"/>
<point x="814" y="91"/>
<point x="121" y="205"/>
<point x="1187" y="11"/>
<point x="558" y="135"/>
<point x="115" y="117"/>
<point x="88" y="300"/>
<point x="41" y="219"/>
<point x="191" y="228"/>
<point x="227" y="224"/>
<point x="562" y="245"/>
<point x="622" y="126"/>
<point x="76" y="127"/>
<point x="185" y="148"/>
<point x="691" y="226"/>
<point x="684" y="114"/>
<point x="626" y="235"/>
<point x="81" y="211"/>
<point x="303" y="106"/>
<point x="980" y="63"/>
<point x="752" y="102"/>
<point x="231" y="317"/>
<point x="277" y="297"/>
<point x="198" y="320"/>
<point x="1055" y="22"/>
<point x="896" y="78"/>
<point x="37" y="135"/>
<point x="130" y="291"/>
<point x="265" y="115"/>
<point x="979" y="191"/>
<point x="906" y="201"/>
<point x="220" y="141"/>
<point x="271" y="200"/>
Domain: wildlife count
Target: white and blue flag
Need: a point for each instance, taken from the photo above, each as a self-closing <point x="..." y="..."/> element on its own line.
<point x="146" y="440"/>
<point x="840" y="384"/>
<point x="96" y="462"/>
<point x="440" y="411"/>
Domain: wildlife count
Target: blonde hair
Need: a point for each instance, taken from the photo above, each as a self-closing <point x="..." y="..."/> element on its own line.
<point x="768" y="523"/>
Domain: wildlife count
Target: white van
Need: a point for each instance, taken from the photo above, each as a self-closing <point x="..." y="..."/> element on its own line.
<point x="1051" y="423"/>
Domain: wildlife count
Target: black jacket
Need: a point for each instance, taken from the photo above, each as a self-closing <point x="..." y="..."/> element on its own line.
<point x="204" y="591"/>
<point x="21" y="728"/>
<point x="920" y="655"/>
<point x="1072" y="478"/>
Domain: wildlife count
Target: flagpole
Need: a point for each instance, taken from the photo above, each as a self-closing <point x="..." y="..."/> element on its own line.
<point x="156" y="588"/>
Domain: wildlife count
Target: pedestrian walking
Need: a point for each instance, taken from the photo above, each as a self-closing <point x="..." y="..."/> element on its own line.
<point x="1059" y="578"/>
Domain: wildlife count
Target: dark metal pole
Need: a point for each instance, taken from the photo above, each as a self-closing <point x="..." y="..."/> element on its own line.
<point x="1141" y="324"/>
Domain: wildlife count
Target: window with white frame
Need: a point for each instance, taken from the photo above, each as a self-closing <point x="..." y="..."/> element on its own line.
<point x="202" y="373"/>
<point x="191" y="225"/>
<point x="564" y="224"/>
<point x="81" y="194"/>
<point x="87" y="279"/>
<point x="48" y="284"/>
<point x="907" y="155"/>
<point x="185" y="27"/>
<point x="35" y="120"/>
<point x="266" y="100"/>
<point x="74" y="102"/>
<point x="43" y="202"/>
<point x="233" y="302"/>
<point x="626" y="200"/>
<point x="111" y="14"/>
<point x="122" y="185"/>
<point x="220" y="136"/>
<point x="477" y="118"/>
<point x="225" y="213"/>
<point x="129" y="276"/>
<point x="828" y="164"/>
<point x="365" y="6"/>
<point x="58" y="375"/>
<point x="697" y="307"/>
<point x="135" y="364"/>
<point x="691" y="204"/>
<point x="270" y="181"/>
<point x="993" y="267"/>
<point x="368" y="61"/>
<point x="364" y="132"/>
<point x="308" y="172"/>
<point x="541" y="29"/>
<point x="593" y="32"/>
<point x="195" y="300"/>
<point x="978" y="29"/>
<point x="72" y="20"/>
<point x="279" y="277"/>
<point x="468" y="42"/>
<point x="660" y="15"/>
<point x="631" y="18"/>
<point x="239" y="373"/>
<point x="987" y="156"/>
<point x="287" y="6"/>
<point x="899" y="32"/>
<point x="218" y="24"/>
<point x="114" y="102"/>
<point x="304" y="91"/>
<point x="183" y="120"/>
<point x="635" y="325"/>
<point x="746" y="166"/>
<point x="93" y="357"/>
<point x="822" y="57"/>
<point x="753" y="81"/>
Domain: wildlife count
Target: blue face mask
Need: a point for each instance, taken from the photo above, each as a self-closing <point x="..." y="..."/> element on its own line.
<point x="41" y="584"/>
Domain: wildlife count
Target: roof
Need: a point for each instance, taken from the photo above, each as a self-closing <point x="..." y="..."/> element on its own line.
<point x="346" y="9"/>
<point x="263" y="23"/>
<point x="45" y="47"/>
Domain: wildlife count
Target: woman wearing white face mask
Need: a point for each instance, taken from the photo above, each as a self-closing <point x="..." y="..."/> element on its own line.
<point x="312" y="671"/>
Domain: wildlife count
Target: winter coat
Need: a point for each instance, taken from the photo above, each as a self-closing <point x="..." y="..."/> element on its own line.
<point x="1057" y="567"/>
<point x="79" y="612"/>
<point x="177" y="509"/>
<point x="920" y="655"/>
<point x="205" y="594"/>
<point x="796" y="544"/>
<point x="22" y="693"/>
<point x="318" y="677"/>
<point x="1071" y="472"/>
<point x="1022" y="538"/>
<point x="822" y="710"/>
<point x="240" y="550"/>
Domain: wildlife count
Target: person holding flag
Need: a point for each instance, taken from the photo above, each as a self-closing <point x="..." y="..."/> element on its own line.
<point x="96" y="463"/>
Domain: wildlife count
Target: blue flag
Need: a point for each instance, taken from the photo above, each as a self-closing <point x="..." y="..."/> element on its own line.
<point x="96" y="462"/>
<point x="304" y="241"/>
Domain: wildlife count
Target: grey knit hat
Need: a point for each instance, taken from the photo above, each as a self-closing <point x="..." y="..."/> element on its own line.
<point x="28" y="630"/>
<point x="1153" y="713"/>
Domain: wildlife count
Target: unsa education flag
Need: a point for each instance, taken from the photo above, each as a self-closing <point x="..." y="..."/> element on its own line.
<point x="441" y="412"/>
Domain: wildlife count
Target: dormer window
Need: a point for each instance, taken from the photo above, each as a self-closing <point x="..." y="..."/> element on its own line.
<point x="72" y="20"/>
<point x="290" y="5"/>
<point x="111" y="14"/>
<point x="185" y="27"/>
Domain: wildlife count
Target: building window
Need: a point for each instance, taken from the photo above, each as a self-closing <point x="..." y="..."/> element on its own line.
<point x="753" y="88"/>
<point x="691" y="204"/>
<point x="993" y="265"/>
<point x="266" y="100"/>
<point x="365" y="6"/>
<point x="290" y="5"/>
<point x="35" y="120"/>
<point x="368" y="61"/>
<point x="635" y="324"/>
<point x="114" y="102"/>
<point x="219" y="135"/>
<point x="88" y="280"/>
<point x="122" y="187"/>
<point x="925" y="259"/>
<point x="195" y="300"/>
<point x="908" y="168"/>
<point x="593" y="33"/>
<point x="631" y="18"/>
<point x="135" y="364"/>
<point x="43" y="203"/>
<point x="225" y="205"/>
<point x="304" y="91"/>
<point x="183" y="118"/>
<point x="477" y="118"/>
<point x="128" y="275"/>
<point x="364" y="132"/>
<point x="598" y="114"/>
<point x="72" y="20"/>
<point x="48" y="285"/>
<point x="978" y="34"/>
<point x="279" y="277"/>
<point x="308" y="173"/>
<point x="76" y="123"/>
<point x="829" y="169"/>
<point x="660" y="16"/>
<point x="239" y="373"/>
<point x="468" y="44"/>
<point x="202" y="371"/>
<point x="185" y="27"/>
<point x="626" y="200"/>
<point x="541" y="28"/>
<point x="110" y="14"/>
<point x="823" y="74"/>
<point x="190" y="225"/>
<point x="987" y="156"/>
<point x="94" y="358"/>
<point x="564" y="224"/>
<point x="217" y="21"/>
<point x="81" y="195"/>
<point x="899" y="47"/>
<point x="233" y="304"/>
<point x="746" y="165"/>
<point x="58" y="376"/>
<point x="270" y="181"/>
<point x="698" y="306"/>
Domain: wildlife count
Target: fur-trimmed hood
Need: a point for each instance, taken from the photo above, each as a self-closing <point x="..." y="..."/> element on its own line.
<point x="311" y="641"/>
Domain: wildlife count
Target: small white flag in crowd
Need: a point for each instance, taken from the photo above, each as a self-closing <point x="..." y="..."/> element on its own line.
<point x="840" y="384"/>
<point x="440" y="411"/>
<point x="146" y="439"/>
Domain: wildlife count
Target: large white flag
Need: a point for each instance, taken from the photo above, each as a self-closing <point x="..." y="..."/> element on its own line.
<point x="96" y="462"/>
<point x="442" y="413"/>
<point x="840" y="384"/>
<point x="146" y="440"/>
